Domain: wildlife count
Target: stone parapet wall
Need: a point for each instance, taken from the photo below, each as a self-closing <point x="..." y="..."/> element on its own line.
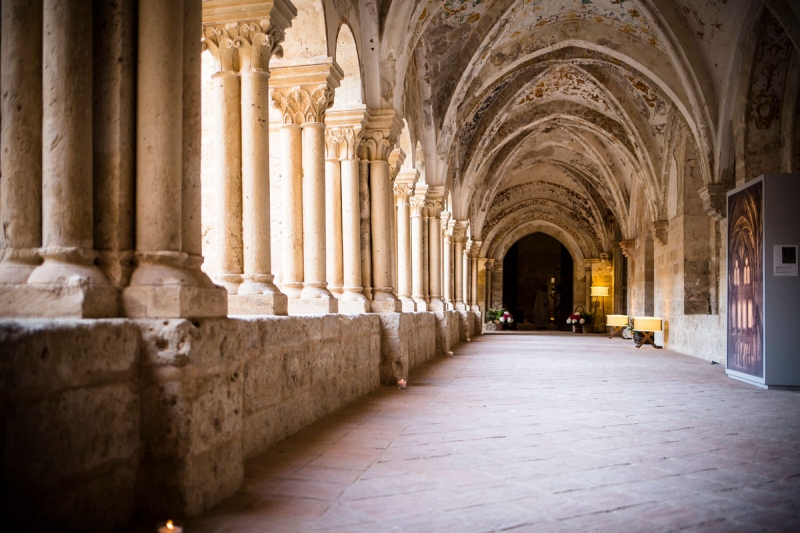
<point x="69" y="420"/>
<point x="103" y="420"/>
<point x="407" y="340"/>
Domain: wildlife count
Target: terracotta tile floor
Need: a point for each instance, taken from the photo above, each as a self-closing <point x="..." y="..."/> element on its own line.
<point x="537" y="432"/>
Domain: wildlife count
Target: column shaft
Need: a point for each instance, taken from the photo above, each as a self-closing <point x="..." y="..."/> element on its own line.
<point x="458" y="274"/>
<point x="426" y="293"/>
<point x="447" y="268"/>
<point x="313" y="161"/>
<point x="435" y="265"/>
<point x="365" y="219"/>
<point x="333" y="225"/>
<point x="404" y="252"/>
<point x="255" y="184"/>
<point x="474" y="284"/>
<point x="67" y="185"/>
<point x="291" y="161"/>
<point x="229" y="222"/>
<point x="381" y="237"/>
<point x="192" y="228"/>
<point x="417" y="256"/>
<point x="351" y="232"/>
<point x="20" y="139"/>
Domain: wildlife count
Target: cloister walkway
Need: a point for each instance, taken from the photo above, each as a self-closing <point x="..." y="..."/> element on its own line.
<point x="537" y="432"/>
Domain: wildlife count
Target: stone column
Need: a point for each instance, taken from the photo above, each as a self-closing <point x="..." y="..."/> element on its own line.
<point x="333" y="212"/>
<point x="227" y="87"/>
<point x="417" y="256"/>
<point x="21" y="148"/>
<point x="365" y="214"/>
<point x="473" y="262"/>
<point x="291" y="161"/>
<point x="459" y="238"/>
<point x="315" y="292"/>
<point x="396" y="158"/>
<point x="587" y="267"/>
<point x="191" y="201"/>
<point x="68" y="283"/>
<point x="379" y="140"/>
<point x="426" y="250"/>
<point x="258" y="293"/>
<point x="467" y="276"/>
<point x="447" y="260"/>
<point x="434" y="204"/>
<point x="489" y="269"/>
<point x="403" y="188"/>
<point x="161" y="286"/>
<point x="353" y="299"/>
<point x="302" y="93"/>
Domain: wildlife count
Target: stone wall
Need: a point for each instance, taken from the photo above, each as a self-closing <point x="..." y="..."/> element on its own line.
<point x="101" y="420"/>
<point x="69" y="420"/>
<point x="407" y="340"/>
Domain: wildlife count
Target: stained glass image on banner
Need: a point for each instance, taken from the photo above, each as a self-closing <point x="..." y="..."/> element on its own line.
<point x="746" y="281"/>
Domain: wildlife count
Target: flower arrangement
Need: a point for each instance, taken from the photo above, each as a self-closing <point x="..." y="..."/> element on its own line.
<point x="493" y="315"/>
<point x="506" y="318"/>
<point x="579" y="318"/>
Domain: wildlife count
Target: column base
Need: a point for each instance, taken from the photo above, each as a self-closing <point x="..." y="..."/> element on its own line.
<point x="313" y="306"/>
<point x="475" y="309"/>
<point x="408" y="305"/>
<point x="387" y="306"/>
<point x="437" y="305"/>
<point x="162" y="288"/>
<point x="17" y="265"/>
<point x="258" y="304"/>
<point x="174" y="301"/>
<point x="77" y="300"/>
<point x="422" y="305"/>
<point x="354" y="307"/>
<point x="460" y="306"/>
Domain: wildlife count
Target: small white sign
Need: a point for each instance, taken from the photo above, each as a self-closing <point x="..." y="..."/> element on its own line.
<point x="784" y="259"/>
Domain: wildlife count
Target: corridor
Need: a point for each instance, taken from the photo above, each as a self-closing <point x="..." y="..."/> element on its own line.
<point x="537" y="432"/>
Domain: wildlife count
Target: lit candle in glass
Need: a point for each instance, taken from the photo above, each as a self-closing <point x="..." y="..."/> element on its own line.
<point x="170" y="527"/>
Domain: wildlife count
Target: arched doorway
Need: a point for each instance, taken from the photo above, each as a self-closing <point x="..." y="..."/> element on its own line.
<point x="535" y="260"/>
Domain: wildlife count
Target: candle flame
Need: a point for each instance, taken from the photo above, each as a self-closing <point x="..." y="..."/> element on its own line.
<point x="169" y="525"/>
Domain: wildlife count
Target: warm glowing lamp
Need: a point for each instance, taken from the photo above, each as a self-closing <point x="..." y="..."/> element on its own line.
<point x="647" y="325"/>
<point x="598" y="292"/>
<point x="618" y="322"/>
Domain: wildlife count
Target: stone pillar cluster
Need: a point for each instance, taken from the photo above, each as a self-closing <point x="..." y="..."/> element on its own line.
<point x="242" y="52"/>
<point x="343" y="208"/>
<point x="302" y="94"/>
<point x="100" y="200"/>
<point x="72" y="206"/>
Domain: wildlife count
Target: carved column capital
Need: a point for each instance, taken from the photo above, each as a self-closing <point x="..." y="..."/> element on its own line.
<point x="661" y="231"/>
<point x="475" y="250"/>
<point x="241" y="46"/>
<point x="417" y="204"/>
<point x="335" y="146"/>
<point x="628" y="247"/>
<point x="434" y="200"/>
<point x="299" y="106"/>
<point x="460" y="230"/>
<point x="402" y="190"/>
<point x="715" y="203"/>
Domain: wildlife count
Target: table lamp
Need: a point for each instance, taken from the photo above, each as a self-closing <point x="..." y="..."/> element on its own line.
<point x="598" y="292"/>
<point x="618" y="322"/>
<point x="647" y="325"/>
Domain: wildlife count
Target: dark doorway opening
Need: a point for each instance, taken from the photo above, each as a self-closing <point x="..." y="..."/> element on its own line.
<point x="534" y="261"/>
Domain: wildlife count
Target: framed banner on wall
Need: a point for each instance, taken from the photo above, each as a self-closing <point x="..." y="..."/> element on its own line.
<point x="763" y="337"/>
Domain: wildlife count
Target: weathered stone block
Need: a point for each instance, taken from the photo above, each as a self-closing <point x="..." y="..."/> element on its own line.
<point x="49" y="442"/>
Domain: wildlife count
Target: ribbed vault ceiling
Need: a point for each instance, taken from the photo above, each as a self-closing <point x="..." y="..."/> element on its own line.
<point x="553" y="111"/>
